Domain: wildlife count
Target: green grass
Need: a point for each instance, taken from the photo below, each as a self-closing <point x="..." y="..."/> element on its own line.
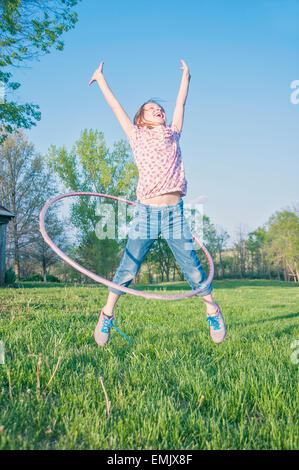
<point x="156" y="386"/>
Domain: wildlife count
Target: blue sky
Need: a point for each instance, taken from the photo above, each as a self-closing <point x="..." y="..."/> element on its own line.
<point x="240" y="141"/>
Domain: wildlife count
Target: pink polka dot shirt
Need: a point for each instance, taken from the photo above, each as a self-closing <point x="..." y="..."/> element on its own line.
<point x="158" y="158"/>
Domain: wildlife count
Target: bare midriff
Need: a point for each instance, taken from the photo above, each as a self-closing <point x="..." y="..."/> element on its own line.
<point x="163" y="200"/>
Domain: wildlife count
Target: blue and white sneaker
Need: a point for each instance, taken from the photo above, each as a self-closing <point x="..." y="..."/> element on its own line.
<point x="217" y="326"/>
<point x="103" y="328"/>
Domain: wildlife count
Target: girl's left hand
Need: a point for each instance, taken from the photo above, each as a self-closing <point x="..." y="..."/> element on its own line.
<point x="184" y="67"/>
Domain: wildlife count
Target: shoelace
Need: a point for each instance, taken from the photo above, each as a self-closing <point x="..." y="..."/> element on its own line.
<point x="214" y="322"/>
<point x="108" y="323"/>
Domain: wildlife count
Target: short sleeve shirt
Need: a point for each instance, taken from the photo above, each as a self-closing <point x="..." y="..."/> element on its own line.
<point x="158" y="158"/>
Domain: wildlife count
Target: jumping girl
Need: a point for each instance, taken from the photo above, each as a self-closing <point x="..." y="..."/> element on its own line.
<point x="159" y="209"/>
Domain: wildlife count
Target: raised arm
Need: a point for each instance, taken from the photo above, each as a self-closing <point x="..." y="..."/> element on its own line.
<point x="178" y="115"/>
<point x="119" y="112"/>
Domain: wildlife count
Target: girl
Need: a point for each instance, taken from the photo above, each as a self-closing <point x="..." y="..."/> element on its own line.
<point x="160" y="189"/>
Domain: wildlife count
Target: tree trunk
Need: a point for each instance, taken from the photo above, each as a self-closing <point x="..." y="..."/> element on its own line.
<point x="2" y="253"/>
<point x="221" y="264"/>
<point x="269" y="274"/>
<point x="16" y="251"/>
<point x="285" y="275"/>
<point x="44" y="270"/>
<point x="149" y="271"/>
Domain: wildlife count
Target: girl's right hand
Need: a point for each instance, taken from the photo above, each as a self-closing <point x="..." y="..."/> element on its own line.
<point x="98" y="72"/>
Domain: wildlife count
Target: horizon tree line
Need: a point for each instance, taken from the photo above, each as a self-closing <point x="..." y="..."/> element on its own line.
<point x="28" y="180"/>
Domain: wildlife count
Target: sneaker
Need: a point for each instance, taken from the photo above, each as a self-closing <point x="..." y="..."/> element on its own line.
<point x="102" y="330"/>
<point x="217" y="326"/>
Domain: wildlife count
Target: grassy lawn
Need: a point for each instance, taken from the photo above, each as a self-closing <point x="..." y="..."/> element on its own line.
<point x="172" y="389"/>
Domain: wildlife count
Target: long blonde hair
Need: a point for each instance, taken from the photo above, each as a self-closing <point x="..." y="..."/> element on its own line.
<point x="139" y="116"/>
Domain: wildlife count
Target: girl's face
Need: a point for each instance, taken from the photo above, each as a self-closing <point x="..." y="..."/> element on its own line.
<point x="154" y="114"/>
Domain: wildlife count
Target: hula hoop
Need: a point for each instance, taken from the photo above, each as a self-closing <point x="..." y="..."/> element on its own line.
<point x="104" y="281"/>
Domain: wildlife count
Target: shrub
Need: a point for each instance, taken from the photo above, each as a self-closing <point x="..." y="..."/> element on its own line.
<point x="9" y="277"/>
<point x="34" y="277"/>
<point x="39" y="278"/>
<point x="51" y="278"/>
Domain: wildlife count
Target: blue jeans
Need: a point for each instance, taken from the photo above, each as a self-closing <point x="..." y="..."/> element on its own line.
<point x="148" y="223"/>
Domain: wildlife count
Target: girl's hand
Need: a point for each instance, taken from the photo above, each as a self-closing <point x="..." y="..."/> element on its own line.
<point x="178" y="115"/>
<point x="97" y="73"/>
<point x="184" y="67"/>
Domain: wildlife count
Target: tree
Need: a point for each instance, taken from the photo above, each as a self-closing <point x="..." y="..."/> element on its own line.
<point x="98" y="255"/>
<point x="255" y="244"/>
<point x="28" y="29"/>
<point x="24" y="187"/>
<point x="241" y="251"/>
<point x="40" y="252"/>
<point x="162" y="257"/>
<point x="91" y="166"/>
<point x="282" y="249"/>
<point x="222" y="238"/>
<point x="209" y="241"/>
<point x="210" y="236"/>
